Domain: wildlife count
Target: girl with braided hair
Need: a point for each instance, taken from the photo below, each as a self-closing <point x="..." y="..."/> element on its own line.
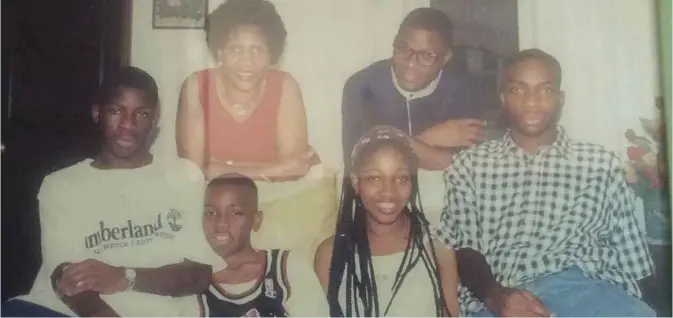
<point x="382" y="261"/>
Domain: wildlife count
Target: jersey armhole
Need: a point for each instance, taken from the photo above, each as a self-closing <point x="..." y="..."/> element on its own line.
<point x="284" y="276"/>
<point x="201" y="305"/>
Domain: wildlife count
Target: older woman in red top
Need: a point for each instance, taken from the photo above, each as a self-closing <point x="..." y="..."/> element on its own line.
<point x="245" y="116"/>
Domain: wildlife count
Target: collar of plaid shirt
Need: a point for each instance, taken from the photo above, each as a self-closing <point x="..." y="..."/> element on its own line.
<point x="559" y="146"/>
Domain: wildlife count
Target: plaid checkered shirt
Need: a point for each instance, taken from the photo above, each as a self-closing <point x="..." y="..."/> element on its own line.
<point x="535" y="215"/>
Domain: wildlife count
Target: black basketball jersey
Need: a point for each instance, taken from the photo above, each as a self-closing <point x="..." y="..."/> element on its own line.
<point x="266" y="298"/>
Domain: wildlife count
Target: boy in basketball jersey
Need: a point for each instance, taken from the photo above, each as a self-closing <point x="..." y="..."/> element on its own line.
<point x="254" y="283"/>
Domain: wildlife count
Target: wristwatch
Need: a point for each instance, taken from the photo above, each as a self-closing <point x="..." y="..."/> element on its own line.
<point x="130" y="275"/>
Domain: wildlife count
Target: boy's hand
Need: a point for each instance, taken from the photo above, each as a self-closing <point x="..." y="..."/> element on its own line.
<point x="92" y="275"/>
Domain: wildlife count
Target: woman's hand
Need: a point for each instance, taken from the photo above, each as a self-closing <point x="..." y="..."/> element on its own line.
<point x="296" y="166"/>
<point x="292" y="168"/>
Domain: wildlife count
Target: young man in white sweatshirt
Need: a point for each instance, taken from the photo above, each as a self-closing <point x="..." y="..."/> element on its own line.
<point x="120" y="232"/>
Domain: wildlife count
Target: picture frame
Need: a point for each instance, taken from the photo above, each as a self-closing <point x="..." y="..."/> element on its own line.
<point x="179" y="14"/>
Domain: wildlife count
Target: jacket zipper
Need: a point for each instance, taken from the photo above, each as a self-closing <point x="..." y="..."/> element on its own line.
<point x="409" y="114"/>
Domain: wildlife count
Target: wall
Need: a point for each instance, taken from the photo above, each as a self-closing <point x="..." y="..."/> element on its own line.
<point x="328" y="40"/>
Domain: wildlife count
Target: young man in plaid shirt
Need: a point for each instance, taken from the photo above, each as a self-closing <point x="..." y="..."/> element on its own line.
<point x="543" y="225"/>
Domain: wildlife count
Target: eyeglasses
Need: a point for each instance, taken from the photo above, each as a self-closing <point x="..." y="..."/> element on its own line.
<point x="422" y="57"/>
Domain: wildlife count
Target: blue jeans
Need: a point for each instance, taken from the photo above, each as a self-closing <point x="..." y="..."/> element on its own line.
<point x="20" y="308"/>
<point x="570" y="293"/>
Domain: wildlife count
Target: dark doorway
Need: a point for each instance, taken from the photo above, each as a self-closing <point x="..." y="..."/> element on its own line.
<point x="53" y="55"/>
<point x="485" y="32"/>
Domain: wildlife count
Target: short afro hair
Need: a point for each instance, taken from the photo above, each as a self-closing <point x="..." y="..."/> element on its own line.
<point x="127" y="77"/>
<point x="234" y="13"/>
<point x="534" y="54"/>
<point x="233" y="179"/>
<point x="430" y="19"/>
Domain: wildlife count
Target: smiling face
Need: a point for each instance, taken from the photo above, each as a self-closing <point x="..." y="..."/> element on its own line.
<point x="230" y="215"/>
<point x="384" y="184"/>
<point x="532" y="98"/>
<point x="245" y="57"/>
<point x="418" y="56"/>
<point x="126" y="122"/>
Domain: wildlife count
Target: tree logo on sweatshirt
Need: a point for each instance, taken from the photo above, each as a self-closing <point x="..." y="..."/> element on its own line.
<point x="173" y="217"/>
<point x="134" y="233"/>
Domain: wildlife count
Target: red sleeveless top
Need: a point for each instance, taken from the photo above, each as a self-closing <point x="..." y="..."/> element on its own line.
<point x="252" y="140"/>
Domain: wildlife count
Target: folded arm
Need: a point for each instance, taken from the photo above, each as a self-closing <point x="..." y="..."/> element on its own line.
<point x="293" y="168"/>
<point x="446" y="261"/>
<point x="84" y="304"/>
<point x="633" y="253"/>
<point x="460" y="228"/>
<point x="89" y="304"/>
<point x="475" y="273"/>
<point x="430" y="157"/>
<point x="80" y="284"/>
<point x="437" y="145"/>
<point x="180" y="279"/>
<point x="295" y="156"/>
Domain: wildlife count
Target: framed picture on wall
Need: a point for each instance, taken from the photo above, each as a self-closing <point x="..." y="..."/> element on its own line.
<point x="179" y="14"/>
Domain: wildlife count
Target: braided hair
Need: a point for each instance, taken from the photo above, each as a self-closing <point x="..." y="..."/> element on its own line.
<point x="351" y="266"/>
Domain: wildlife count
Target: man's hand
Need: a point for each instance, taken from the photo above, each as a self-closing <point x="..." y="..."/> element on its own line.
<point x="511" y="302"/>
<point x="94" y="276"/>
<point x="89" y="304"/>
<point x="455" y="133"/>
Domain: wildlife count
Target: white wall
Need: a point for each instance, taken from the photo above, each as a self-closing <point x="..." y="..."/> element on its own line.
<point x="328" y="40"/>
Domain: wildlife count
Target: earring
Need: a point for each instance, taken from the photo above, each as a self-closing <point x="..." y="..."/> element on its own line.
<point x="219" y="57"/>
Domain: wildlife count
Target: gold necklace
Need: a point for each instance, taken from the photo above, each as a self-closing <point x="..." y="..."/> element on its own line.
<point x="241" y="109"/>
